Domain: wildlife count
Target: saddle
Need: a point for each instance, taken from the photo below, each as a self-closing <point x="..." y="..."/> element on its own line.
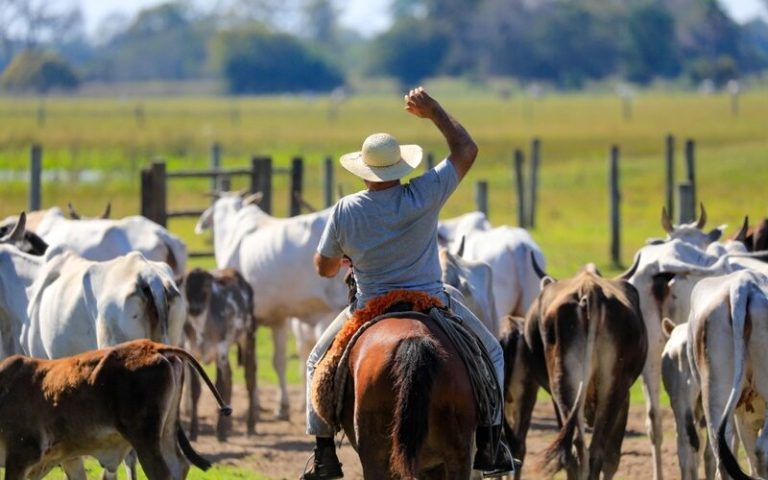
<point x="331" y="373"/>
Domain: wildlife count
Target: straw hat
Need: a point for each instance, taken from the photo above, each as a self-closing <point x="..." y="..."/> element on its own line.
<point x="382" y="159"/>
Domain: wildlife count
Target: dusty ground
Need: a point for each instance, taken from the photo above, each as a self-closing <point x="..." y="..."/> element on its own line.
<point x="280" y="449"/>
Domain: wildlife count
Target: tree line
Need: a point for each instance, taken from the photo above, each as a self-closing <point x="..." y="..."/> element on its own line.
<point x="268" y="46"/>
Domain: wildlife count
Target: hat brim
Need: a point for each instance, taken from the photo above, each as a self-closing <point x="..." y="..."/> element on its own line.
<point x="410" y="158"/>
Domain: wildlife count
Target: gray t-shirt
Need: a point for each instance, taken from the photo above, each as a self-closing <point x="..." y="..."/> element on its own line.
<point x="391" y="235"/>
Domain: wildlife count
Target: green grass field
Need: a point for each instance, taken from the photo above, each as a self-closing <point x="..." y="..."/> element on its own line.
<point x="94" y="149"/>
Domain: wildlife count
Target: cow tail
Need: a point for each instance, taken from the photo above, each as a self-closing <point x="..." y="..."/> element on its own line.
<point x="739" y="303"/>
<point x="160" y="301"/>
<point x="224" y="409"/>
<point x="415" y="365"/>
<point x="189" y="452"/>
<point x="560" y="453"/>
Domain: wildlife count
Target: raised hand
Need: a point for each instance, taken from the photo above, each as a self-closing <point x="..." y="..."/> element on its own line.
<point x="419" y="103"/>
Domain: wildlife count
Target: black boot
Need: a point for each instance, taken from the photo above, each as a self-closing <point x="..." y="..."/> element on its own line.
<point x="326" y="465"/>
<point x="493" y="457"/>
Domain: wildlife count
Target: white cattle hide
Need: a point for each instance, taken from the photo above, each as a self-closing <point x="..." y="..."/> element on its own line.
<point x="474" y="280"/>
<point x="17" y="272"/>
<point x="508" y="252"/>
<point x="102" y="239"/>
<point x="78" y="305"/>
<point x="727" y="347"/>
<point x="275" y="255"/>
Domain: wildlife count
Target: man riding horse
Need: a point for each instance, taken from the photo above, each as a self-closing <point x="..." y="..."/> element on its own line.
<point x="389" y="233"/>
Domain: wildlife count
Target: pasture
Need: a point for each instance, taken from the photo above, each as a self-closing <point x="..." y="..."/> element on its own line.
<point x="95" y="148"/>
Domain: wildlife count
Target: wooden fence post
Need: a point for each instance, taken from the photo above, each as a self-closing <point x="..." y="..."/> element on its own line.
<point x="534" y="186"/>
<point x="481" y="196"/>
<point x="261" y="180"/>
<point x="295" y="190"/>
<point x="685" y="199"/>
<point x="670" y="167"/>
<point x="328" y="185"/>
<point x="215" y="160"/>
<point x="35" y="174"/>
<point x="519" y="184"/>
<point x="615" y="212"/>
<point x="690" y="163"/>
<point x="153" y="193"/>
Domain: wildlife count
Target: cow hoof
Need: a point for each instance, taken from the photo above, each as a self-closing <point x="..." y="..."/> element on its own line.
<point x="283" y="413"/>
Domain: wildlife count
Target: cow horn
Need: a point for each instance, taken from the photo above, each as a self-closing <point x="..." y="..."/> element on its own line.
<point x="460" y="250"/>
<point x="18" y="230"/>
<point x="741" y="235"/>
<point x="536" y="268"/>
<point x="303" y="203"/>
<point x="666" y="223"/>
<point x="253" y="199"/>
<point x="702" y="218"/>
<point x="72" y="212"/>
<point x="243" y="192"/>
<point x="107" y="211"/>
<point x="628" y="274"/>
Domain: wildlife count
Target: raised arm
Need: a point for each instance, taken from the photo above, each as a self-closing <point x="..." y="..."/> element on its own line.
<point x="463" y="148"/>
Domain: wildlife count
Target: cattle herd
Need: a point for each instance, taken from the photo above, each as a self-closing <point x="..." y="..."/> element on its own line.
<point x="101" y="323"/>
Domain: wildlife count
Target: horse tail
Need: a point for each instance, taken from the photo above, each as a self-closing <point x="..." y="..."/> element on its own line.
<point x="415" y="365"/>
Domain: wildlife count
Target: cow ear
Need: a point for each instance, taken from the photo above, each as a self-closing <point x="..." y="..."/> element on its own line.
<point x="667" y="326"/>
<point x="546" y="280"/>
<point x="715" y="234"/>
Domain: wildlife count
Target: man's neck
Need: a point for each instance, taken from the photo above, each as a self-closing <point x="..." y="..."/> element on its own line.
<point x="376" y="186"/>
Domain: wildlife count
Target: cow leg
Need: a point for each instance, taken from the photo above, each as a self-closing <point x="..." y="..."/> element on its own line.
<point x="305" y="341"/>
<point x="279" y="341"/>
<point x="651" y="377"/>
<point x="747" y="433"/>
<point x="709" y="458"/>
<point x="152" y="462"/>
<point x="75" y="470"/>
<point x="249" y="358"/>
<point x="224" y="386"/>
<point x="613" y="442"/>
<point x="194" y="399"/>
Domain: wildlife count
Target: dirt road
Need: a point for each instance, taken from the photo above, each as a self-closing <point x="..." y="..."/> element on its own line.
<point x="281" y="449"/>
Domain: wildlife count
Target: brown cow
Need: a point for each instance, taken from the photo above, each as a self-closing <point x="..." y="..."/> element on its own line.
<point x="100" y="403"/>
<point x="589" y="334"/>
<point x="219" y="314"/>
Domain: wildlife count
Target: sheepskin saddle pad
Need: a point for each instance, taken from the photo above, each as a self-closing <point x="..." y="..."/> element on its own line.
<point x="329" y="380"/>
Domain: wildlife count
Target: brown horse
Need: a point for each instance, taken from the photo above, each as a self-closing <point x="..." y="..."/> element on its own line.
<point x="409" y="410"/>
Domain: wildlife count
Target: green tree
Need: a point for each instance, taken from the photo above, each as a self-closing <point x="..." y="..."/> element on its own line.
<point x="413" y="49"/>
<point x="38" y="72"/>
<point x="651" y="46"/>
<point x="256" y="60"/>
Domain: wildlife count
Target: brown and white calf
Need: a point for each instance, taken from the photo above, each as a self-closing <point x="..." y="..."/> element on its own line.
<point x="589" y="333"/>
<point x="220" y="314"/>
<point x="101" y="403"/>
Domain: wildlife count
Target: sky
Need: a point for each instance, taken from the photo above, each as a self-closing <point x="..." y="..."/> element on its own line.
<point x="367" y="16"/>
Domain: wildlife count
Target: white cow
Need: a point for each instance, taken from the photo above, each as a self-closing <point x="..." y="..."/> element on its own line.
<point x="474" y="281"/>
<point x="692" y="232"/>
<point x="76" y="305"/>
<point x="684" y="395"/>
<point x="656" y="268"/>
<point x="103" y="239"/>
<point x="452" y="230"/>
<point x="275" y="257"/>
<point x="727" y="339"/>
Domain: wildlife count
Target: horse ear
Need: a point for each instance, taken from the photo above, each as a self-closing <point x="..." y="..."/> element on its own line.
<point x="107" y="211"/>
<point x="72" y="212"/>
